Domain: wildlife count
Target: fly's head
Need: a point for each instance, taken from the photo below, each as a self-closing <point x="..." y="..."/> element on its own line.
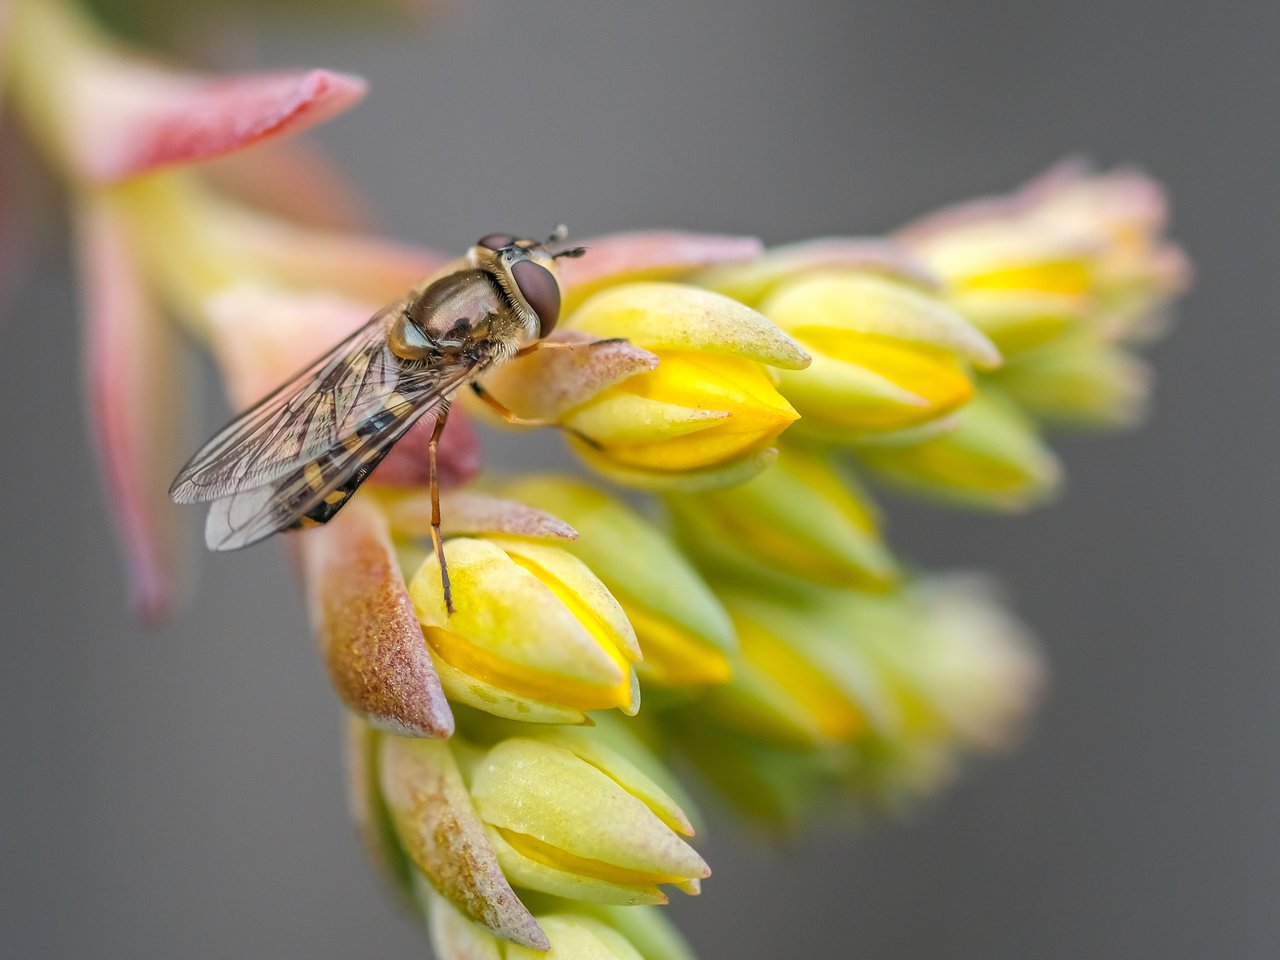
<point x="527" y="273"/>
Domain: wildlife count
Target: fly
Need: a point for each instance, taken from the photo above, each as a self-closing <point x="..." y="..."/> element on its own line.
<point x="295" y="458"/>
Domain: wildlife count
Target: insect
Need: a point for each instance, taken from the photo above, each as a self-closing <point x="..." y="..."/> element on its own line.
<point x="296" y="457"/>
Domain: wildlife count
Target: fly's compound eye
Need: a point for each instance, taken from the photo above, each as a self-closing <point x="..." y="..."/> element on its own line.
<point x="496" y="241"/>
<point x="540" y="291"/>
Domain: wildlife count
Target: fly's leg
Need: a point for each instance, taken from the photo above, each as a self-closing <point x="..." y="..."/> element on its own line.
<point x="563" y="345"/>
<point x="437" y="541"/>
<point x="505" y="412"/>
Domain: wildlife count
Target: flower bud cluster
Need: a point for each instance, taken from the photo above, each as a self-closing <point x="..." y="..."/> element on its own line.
<point x="507" y="776"/>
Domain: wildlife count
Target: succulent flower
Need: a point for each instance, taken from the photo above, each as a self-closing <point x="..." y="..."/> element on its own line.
<point x="500" y="776"/>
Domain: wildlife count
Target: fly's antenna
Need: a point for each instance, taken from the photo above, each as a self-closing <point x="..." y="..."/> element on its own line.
<point x="570" y="254"/>
<point x="559" y="235"/>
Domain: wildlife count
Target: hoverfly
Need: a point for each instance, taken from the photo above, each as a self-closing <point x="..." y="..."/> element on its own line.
<point x="296" y="457"/>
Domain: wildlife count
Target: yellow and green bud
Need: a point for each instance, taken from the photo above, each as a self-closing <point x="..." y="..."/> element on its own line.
<point x="575" y="819"/>
<point x="1071" y="250"/>
<point x="534" y="635"/>
<point x="800" y="680"/>
<point x="709" y="412"/>
<point x="683" y="630"/>
<point x="965" y="669"/>
<point x="1078" y="381"/>
<point x="804" y="517"/>
<point x="1020" y="285"/>
<point x="992" y="458"/>
<point x="886" y="355"/>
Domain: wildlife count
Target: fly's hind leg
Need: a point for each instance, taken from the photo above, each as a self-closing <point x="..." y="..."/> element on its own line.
<point x="505" y="412"/>
<point x="437" y="541"/>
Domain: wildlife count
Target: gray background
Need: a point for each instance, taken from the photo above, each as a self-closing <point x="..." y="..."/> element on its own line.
<point x="177" y="793"/>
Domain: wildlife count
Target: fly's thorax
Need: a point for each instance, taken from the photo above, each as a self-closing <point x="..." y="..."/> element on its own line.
<point x="457" y="313"/>
<point x="504" y="295"/>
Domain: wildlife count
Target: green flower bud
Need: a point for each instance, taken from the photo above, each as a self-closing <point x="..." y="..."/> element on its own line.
<point x="993" y="458"/>
<point x="564" y="825"/>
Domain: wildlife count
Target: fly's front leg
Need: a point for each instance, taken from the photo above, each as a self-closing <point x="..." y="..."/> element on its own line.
<point x="505" y="412"/>
<point x="437" y="541"/>
<point x="564" y="345"/>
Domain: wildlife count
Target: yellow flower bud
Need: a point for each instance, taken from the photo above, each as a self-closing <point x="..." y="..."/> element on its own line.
<point x="1079" y="381"/>
<point x="1070" y="249"/>
<point x="993" y="458"/>
<point x="886" y="355"/>
<point x="966" y="663"/>
<point x="802" y="517"/>
<point x="683" y="631"/>
<point x="580" y="827"/>
<point x="800" y="679"/>
<point x="710" y="410"/>
<point x="535" y="635"/>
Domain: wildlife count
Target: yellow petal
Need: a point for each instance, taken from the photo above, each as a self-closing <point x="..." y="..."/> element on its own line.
<point x="862" y="383"/>
<point x="724" y="409"/>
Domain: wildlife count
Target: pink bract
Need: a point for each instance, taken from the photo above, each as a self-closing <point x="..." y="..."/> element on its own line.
<point x="140" y="119"/>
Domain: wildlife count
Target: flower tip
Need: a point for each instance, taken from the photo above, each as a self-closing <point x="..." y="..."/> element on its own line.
<point x="155" y="118"/>
<point x="152" y="598"/>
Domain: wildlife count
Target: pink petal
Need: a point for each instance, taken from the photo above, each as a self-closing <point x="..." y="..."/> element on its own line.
<point x="135" y="118"/>
<point x="650" y="254"/>
<point x="547" y="383"/>
<point x="131" y="359"/>
<point x="459" y="456"/>
<point x="1063" y="175"/>
<point x="364" y="621"/>
<point x="964" y="214"/>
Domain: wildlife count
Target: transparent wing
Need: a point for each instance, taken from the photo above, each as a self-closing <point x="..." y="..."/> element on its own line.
<point x="331" y="400"/>
<point x="316" y="490"/>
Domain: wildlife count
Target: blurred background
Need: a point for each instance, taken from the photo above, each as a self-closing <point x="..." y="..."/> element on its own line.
<point x="179" y="793"/>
